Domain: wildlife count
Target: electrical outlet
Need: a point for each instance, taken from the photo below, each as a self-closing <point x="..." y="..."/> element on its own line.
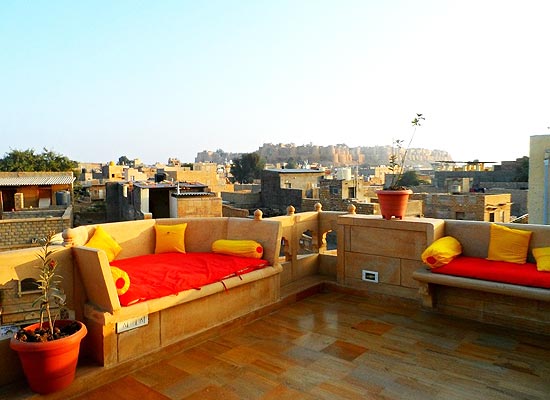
<point x="369" y="276"/>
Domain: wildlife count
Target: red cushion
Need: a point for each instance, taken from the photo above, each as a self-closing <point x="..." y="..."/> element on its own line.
<point x="158" y="275"/>
<point x="498" y="271"/>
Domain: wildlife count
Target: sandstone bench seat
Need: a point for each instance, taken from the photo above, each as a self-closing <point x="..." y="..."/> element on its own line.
<point x="494" y="298"/>
<point x="424" y="275"/>
<point x="175" y="317"/>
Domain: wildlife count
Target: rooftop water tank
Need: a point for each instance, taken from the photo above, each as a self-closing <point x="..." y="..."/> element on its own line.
<point x="62" y="198"/>
<point x="343" y="173"/>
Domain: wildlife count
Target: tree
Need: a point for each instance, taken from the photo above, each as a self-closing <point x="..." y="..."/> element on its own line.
<point x="522" y="170"/>
<point x="123" y="160"/>
<point x="247" y="168"/>
<point x="291" y="164"/>
<point x="409" y="178"/>
<point x="28" y="161"/>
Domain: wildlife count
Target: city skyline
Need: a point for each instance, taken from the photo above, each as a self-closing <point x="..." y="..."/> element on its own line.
<point x="95" y="81"/>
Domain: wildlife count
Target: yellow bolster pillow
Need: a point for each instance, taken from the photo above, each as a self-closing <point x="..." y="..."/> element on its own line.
<point x="234" y="247"/>
<point x="122" y="280"/>
<point x="441" y="252"/>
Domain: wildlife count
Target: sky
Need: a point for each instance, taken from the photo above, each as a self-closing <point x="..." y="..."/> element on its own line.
<point x="97" y="80"/>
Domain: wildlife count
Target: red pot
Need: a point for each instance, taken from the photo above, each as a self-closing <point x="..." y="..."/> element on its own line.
<point x="50" y="366"/>
<point x="393" y="202"/>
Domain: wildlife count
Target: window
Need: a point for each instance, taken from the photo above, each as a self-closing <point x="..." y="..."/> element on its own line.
<point x="460" y="215"/>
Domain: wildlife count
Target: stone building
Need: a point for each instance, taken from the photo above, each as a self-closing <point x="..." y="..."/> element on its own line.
<point x="466" y="206"/>
<point x="22" y="190"/>
<point x="112" y="171"/>
<point x="127" y="201"/>
<point x="336" y="194"/>
<point x="538" y="203"/>
<point x="33" y="204"/>
<point x="206" y="173"/>
<point x="286" y="187"/>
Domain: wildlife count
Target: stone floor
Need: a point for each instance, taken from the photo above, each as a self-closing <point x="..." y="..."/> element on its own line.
<point x="337" y="346"/>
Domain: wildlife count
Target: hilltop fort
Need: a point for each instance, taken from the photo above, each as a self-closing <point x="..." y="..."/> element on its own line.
<point x="337" y="155"/>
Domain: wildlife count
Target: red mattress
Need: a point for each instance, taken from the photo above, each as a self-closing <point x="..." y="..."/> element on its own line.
<point x="157" y="275"/>
<point x="498" y="271"/>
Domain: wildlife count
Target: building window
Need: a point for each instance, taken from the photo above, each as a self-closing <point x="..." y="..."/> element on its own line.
<point x="334" y="190"/>
<point x="460" y="215"/>
<point x="351" y="193"/>
<point x="491" y="217"/>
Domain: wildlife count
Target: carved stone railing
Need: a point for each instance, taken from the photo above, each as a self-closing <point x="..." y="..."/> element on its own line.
<point x="308" y="245"/>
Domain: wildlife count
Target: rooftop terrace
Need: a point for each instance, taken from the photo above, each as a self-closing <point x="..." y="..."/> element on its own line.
<point x="332" y="346"/>
<point x="332" y="335"/>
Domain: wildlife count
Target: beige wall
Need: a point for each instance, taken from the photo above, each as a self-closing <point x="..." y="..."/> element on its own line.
<point x="302" y="181"/>
<point x="539" y="145"/>
<point x="195" y="206"/>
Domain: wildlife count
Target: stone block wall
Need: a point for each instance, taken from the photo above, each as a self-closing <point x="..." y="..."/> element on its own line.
<point x="195" y="206"/>
<point x="23" y="232"/>
<point x="392" y="248"/>
<point x="246" y="200"/>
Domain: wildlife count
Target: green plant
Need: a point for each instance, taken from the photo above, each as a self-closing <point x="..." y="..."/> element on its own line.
<point x="399" y="156"/>
<point x="51" y="295"/>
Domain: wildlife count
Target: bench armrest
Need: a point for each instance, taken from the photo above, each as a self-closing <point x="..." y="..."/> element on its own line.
<point x="96" y="276"/>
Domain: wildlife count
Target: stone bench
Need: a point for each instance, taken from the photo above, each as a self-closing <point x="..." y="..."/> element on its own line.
<point x="167" y="320"/>
<point x="524" y="307"/>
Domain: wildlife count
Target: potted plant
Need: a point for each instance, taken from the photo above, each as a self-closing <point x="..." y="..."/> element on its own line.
<point x="393" y="199"/>
<point x="48" y="350"/>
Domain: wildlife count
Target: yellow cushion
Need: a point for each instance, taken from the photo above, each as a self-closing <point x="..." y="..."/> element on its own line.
<point x="542" y="256"/>
<point x="234" y="247"/>
<point x="441" y="252"/>
<point x="103" y="241"/>
<point x="170" y="238"/>
<point x="508" y="244"/>
<point x="122" y="280"/>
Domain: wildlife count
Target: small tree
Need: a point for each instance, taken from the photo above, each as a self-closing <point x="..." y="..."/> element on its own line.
<point x="247" y="168"/>
<point x="51" y="294"/>
<point x="398" y="156"/>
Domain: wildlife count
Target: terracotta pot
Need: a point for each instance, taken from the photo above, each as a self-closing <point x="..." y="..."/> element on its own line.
<point x="393" y="203"/>
<point x="50" y="366"/>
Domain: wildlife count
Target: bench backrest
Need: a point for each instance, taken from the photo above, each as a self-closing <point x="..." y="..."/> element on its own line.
<point x="475" y="235"/>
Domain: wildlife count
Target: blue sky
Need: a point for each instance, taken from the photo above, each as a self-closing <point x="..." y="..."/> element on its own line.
<point x="95" y="80"/>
